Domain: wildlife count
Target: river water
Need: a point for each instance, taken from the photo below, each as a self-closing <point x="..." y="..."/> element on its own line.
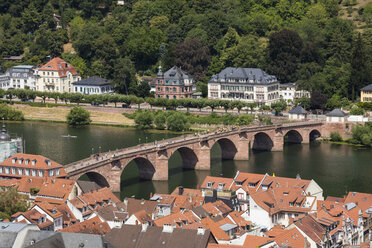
<point x="336" y="168"/>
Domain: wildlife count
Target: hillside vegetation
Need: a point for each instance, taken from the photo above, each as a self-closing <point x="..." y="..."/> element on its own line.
<point x="304" y="41"/>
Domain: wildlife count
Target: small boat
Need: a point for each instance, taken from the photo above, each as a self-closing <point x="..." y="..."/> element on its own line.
<point x="69" y="136"/>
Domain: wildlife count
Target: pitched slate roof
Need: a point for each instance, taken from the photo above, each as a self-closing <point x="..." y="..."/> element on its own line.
<point x="176" y="73"/>
<point x="368" y="87"/>
<point x="93" y="81"/>
<point x="336" y="113"/>
<point x="155" y="237"/>
<point x="298" y="110"/>
<point x="254" y="75"/>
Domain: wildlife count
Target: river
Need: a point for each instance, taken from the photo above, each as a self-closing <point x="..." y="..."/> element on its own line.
<point x="336" y="168"/>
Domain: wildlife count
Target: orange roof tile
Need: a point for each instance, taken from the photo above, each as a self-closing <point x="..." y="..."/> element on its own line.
<point x="30" y="161"/>
<point x="216" y="231"/>
<point x="217" y="208"/>
<point x="58" y="188"/>
<point x="255" y="241"/>
<point x="188" y="192"/>
<point x="59" y="65"/>
<point x="291" y="238"/>
<point x="91" y="226"/>
<point x="226" y="182"/>
<point x="179" y="219"/>
<point x="362" y="200"/>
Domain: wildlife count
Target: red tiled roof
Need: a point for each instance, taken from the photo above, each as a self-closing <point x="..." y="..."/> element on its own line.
<point x="179" y="219"/>
<point x="188" y="192"/>
<point x="91" y="226"/>
<point x="311" y="228"/>
<point x="59" y="65"/>
<point x="40" y="163"/>
<point x="58" y="188"/>
<point x="362" y="200"/>
<point x="217" y="208"/>
<point x="227" y="182"/>
<point x="291" y="238"/>
<point x="255" y="241"/>
<point x="217" y="232"/>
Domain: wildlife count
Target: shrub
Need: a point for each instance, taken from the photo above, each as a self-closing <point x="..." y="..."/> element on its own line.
<point x="160" y="120"/>
<point x="356" y="111"/>
<point x="336" y="137"/>
<point x="244" y="120"/>
<point x="177" y="122"/>
<point x="8" y="113"/>
<point x="144" y="120"/>
<point x="78" y="116"/>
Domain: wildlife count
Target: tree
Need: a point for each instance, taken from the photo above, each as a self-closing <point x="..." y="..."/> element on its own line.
<point x="144" y="120"/>
<point x="317" y="100"/>
<point x="124" y="75"/>
<point x="11" y="202"/>
<point x="160" y="120"/>
<point x="143" y="89"/>
<point x="244" y="120"/>
<point x="336" y="137"/>
<point x="177" y="122"/>
<point x="303" y="102"/>
<point x="193" y="57"/>
<point x="284" y="52"/>
<point x="355" y="110"/>
<point x="8" y="113"/>
<point x="334" y="102"/>
<point x="78" y="116"/>
<point x="279" y="106"/>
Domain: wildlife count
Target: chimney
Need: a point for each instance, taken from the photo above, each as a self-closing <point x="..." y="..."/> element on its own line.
<point x="144" y="227"/>
<point x="180" y="190"/>
<point x="167" y="228"/>
<point x="201" y="231"/>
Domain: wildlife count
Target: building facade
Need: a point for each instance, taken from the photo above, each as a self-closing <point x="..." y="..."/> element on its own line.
<point x="366" y="94"/>
<point x="4" y="82"/>
<point x="57" y="76"/>
<point x="246" y="84"/>
<point x="174" y="84"/>
<point x="9" y="146"/>
<point x="20" y="77"/>
<point x="289" y="92"/>
<point x="93" y="86"/>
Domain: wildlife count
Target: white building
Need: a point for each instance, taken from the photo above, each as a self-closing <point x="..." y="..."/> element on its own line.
<point x="56" y="76"/>
<point x="20" y="77"/>
<point x="297" y="113"/>
<point x="289" y="92"/>
<point x="4" y="82"/>
<point x="336" y="115"/>
<point x="93" y="86"/>
<point x="246" y="84"/>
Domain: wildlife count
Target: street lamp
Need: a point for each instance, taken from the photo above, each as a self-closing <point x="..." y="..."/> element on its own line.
<point x="92" y="150"/>
<point x="139" y="140"/>
<point x="99" y="149"/>
<point x="146" y="139"/>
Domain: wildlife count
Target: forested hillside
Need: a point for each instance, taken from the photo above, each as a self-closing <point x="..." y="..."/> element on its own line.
<point x="304" y="41"/>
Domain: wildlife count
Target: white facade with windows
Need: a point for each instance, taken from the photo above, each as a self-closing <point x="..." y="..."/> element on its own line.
<point x="19" y="77"/>
<point x="93" y="86"/>
<point x="289" y="92"/>
<point x="246" y="84"/>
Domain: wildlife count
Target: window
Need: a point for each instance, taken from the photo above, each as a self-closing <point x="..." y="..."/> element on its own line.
<point x="57" y="172"/>
<point x="20" y="171"/>
<point x="33" y="173"/>
<point x="13" y="170"/>
<point x="50" y="173"/>
<point x="209" y="184"/>
<point x="174" y="89"/>
<point x="41" y="173"/>
<point x="27" y="172"/>
<point x="174" y="97"/>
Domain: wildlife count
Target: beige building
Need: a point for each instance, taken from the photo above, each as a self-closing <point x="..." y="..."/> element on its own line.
<point x="57" y="76"/>
<point x="366" y="94"/>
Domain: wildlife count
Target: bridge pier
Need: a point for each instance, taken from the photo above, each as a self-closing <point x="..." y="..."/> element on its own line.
<point x="242" y="147"/>
<point x="204" y="158"/>
<point x="278" y="142"/>
<point x="161" y="169"/>
<point x="114" y="180"/>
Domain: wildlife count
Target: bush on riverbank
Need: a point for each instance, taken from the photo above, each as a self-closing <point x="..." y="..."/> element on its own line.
<point x="160" y="117"/>
<point x="8" y="113"/>
<point x="336" y="137"/>
<point x="78" y="116"/>
<point x="362" y="134"/>
<point x="144" y="120"/>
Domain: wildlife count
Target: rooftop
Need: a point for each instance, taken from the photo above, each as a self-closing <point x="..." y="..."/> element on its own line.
<point x="245" y="75"/>
<point x="298" y="110"/>
<point x="93" y="81"/>
<point x="368" y="87"/>
<point x="336" y="113"/>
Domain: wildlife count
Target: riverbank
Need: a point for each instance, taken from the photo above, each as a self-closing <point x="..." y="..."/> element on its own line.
<point x="58" y="114"/>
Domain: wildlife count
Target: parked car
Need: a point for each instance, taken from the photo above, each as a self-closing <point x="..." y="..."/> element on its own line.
<point x="124" y="105"/>
<point x="95" y="104"/>
<point x="180" y="107"/>
<point x="170" y="108"/>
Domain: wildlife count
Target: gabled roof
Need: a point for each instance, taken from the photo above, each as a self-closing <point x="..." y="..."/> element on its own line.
<point x="216" y="231"/>
<point x="155" y="237"/>
<point x="59" y="65"/>
<point x="291" y="238"/>
<point x="87" y="186"/>
<point x="179" y="219"/>
<point x="132" y="205"/>
<point x="368" y="87"/>
<point x="93" y="81"/>
<point x="58" y="188"/>
<point x="90" y="226"/>
<point x="176" y="73"/>
<point x="256" y="75"/>
<point x="336" y="113"/>
<point x="298" y="110"/>
<point x="252" y="241"/>
<point x="311" y="228"/>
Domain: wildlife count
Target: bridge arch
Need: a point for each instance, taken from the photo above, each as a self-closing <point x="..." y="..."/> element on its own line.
<point x="145" y="167"/>
<point x="188" y="156"/>
<point x="262" y="142"/>
<point x="228" y="148"/>
<point x="293" y="137"/>
<point x="315" y="133"/>
<point x="97" y="178"/>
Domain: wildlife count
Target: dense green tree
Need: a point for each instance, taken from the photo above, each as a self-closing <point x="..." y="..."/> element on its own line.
<point x="177" y="122"/>
<point x="11" y="202"/>
<point x="278" y="106"/>
<point x="284" y="52"/>
<point x="317" y="100"/>
<point x="78" y="116"/>
<point x="144" y="120"/>
<point x="124" y="75"/>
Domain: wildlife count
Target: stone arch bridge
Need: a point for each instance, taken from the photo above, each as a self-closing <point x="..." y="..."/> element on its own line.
<point x="152" y="159"/>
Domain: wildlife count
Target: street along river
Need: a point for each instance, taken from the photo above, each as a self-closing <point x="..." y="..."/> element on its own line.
<point x="336" y="168"/>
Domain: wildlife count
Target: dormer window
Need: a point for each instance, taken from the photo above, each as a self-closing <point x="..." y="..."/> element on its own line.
<point x="20" y="161"/>
<point x="34" y="162"/>
<point x="48" y="162"/>
<point x="27" y="161"/>
<point x="237" y="183"/>
<point x="54" y="210"/>
<point x="264" y="187"/>
<point x="220" y="186"/>
<point x="291" y="204"/>
<point x="51" y="173"/>
<point x="252" y="185"/>
<point x="298" y="204"/>
<point x="209" y="184"/>
<point x="57" y="172"/>
<point x="14" y="160"/>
